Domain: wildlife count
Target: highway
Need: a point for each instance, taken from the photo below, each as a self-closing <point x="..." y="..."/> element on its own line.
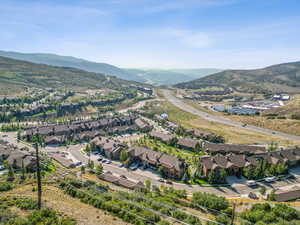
<point x="185" y="107"/>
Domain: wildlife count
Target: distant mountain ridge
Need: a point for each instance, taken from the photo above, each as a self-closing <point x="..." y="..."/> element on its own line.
<point x="277" y="78"/>
<point x="17" y="74"/>
<point x="69" y="61"/>
<point x="171" y="76"/>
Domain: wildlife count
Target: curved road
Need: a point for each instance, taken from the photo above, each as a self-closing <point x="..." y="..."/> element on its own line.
<point x="185" y="107"/>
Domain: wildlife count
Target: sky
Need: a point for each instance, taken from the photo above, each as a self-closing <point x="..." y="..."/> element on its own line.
<point x="226" y="34"/>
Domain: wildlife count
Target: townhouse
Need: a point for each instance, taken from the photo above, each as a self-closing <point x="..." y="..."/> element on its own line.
<point x="16" y="157"/>
<point x="83" y="130"/>
<point x="214" y="148"/>
<point x="166" y="138"/>
<point x="172" y="166"/>
<point x="188" y="144"/>
<point x="121" y="181"/>
<point x="109" y="147"/>
<point x="234" y="163"/>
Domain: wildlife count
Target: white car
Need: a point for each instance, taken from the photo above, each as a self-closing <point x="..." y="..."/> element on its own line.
<point x="251" y="183"/>
<point x="270" y="179"/>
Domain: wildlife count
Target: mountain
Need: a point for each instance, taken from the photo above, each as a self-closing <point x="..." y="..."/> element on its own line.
<point x="68" y="61"/>
<point x="277" y="78"/>
<point x="170" y="76"/>
<point x="17" y="74"/>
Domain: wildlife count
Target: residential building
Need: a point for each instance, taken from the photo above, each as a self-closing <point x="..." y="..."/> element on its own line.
<point x="166" y="138"/>
<point x="108" y="147"/>
<point x="188" y="144"/>
<point x="232" y="148"/>
<point x="172" y="166"/>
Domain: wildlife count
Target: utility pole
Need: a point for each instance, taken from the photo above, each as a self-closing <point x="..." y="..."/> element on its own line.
<point x="38" y="175"/>
<point x="233" y="214"/>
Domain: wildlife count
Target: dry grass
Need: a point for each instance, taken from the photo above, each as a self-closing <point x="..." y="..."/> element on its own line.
<point x="72" y="207"/>
<point x="232" y="134"/>
<point x="283" y="125"/>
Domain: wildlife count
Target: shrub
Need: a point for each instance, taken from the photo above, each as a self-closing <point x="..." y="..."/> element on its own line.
<point x="5" y="187"/>
<point x="26" y="203"/>
<point x="209" y="200"/>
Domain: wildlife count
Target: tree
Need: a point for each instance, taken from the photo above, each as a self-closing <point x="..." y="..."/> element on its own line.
<point x="271" y="196"/>
<point x="99" y="169"/>
<point x="148" y="185"/>
<point x="82" y="169"/>
<point x="262" y="190"/>
<point x="91" y="164"/>
<point x="222" y="176"/>
<point x="198" y="147"/>
<point x="273" y="146"/>
<point x="124" y="156"/>
<point x="38" y="175"/>
<point x="212" y="177"/>
<point x="10" y="174"/>
<point x="19" y="135"/>
<point x="186" y="176"/>
<point x="199" y="171"/>
<point x="23" y="171"/>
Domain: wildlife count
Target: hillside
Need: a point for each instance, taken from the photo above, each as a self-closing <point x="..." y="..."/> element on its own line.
<point x="16" y="74"/>
<point x="170" y="76"/>
<point x="68" y="61"/>
<point x="277" y="78"/>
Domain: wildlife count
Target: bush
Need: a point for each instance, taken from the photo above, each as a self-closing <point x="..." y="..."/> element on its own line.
<point x="209" y="201"/>
<point x="42" y="217"/>
<point x="295" y="117"/>
<point x="279" y="214"/>
<point x="26" y="203"/>
<point x="5" y="187"/>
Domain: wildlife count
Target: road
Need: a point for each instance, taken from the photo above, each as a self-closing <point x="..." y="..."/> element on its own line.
<point x="185" y="107"/>
<point x="236" y="189"/>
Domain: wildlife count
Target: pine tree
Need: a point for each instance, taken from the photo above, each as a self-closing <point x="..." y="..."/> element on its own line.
<point x="99" y="169"/>
<point x="23" y="171"/>
<point x="10" y="174"/>
<point x="39" y="179"/>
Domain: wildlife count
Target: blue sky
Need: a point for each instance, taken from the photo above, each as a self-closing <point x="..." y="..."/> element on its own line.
<point x="156" y="33"/>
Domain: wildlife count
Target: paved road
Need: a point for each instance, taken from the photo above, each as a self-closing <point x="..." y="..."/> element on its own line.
<point x="183" y="106"/>
<point x="237" y="188"/>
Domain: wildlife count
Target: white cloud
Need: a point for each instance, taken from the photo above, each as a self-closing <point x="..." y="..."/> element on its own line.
<point x="190" y="38"/>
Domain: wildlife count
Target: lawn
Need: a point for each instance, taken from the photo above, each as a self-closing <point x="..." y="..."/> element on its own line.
<point x="188" y="156"/>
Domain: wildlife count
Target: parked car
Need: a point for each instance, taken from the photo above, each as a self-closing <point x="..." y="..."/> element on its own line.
<point x="169" y="182"/>
<point x="99" y="159"/>
<point x="161" y="180"/>
<point x="121" y="166"/>
<point x="104" y="160"/>
<point x="134" y="167"/>
<point x="108" y="162"/>
<point x="2" y="167"/>
<point x="270" y="179"/>
<point x="251" y="183"/>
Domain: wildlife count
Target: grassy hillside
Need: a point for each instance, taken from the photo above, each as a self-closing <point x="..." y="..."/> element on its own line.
<point x="277" y="78"/>
<point x="68" y="61"/>
<point x="170" y="76"/>
<point x="16" y="74"/>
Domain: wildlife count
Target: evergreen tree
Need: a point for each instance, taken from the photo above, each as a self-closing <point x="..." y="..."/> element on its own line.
<point x="212" y="177"/>
<point x="10" y="174"/>
<point x="23" y="171"/>
<point x="222" y="176"/>
<point x="82" y="168"/>
<point x="124" y="156"/>
<point x="99" y="169"/>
